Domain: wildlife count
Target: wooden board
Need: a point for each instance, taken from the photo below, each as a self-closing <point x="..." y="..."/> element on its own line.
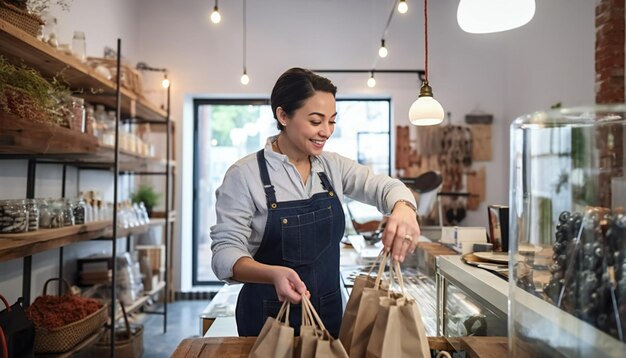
<point x="485" y="347"/>
<point x="21" y="136"/>
<point x="239" y="347"/>
<point x="214" y="347"/>
<point x="13" y="246"/>
<point x="481" y="142"/>
<point x="476" y="186"/>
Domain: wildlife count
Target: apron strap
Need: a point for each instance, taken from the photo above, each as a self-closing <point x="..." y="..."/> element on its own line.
<point x="326" y="182"/>
<point x="270" y="193"/>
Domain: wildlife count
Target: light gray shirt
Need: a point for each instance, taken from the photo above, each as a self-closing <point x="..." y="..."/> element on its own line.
<point x="241" y="205"/>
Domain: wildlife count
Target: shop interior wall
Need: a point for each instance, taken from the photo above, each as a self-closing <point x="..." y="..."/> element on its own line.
<point x="506" y="74"/>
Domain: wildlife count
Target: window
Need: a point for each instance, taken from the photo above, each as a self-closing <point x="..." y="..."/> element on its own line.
<point x="226" y="130"/>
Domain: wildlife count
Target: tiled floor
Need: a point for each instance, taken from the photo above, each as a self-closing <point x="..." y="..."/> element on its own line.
<point x="182" y="322"/>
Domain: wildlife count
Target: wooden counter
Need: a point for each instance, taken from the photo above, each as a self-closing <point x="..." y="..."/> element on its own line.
<point x="236" y="347"/>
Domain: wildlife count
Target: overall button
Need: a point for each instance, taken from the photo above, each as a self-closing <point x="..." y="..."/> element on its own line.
<point x="274" y="205"/>
<point x="331" y="193"/>
<point x="285" y="221"/>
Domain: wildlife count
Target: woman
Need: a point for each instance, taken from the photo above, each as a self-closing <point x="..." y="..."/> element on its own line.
<point x="279" y="211"/>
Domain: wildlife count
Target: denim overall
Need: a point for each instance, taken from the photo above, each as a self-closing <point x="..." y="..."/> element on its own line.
<point x="303" y="235"/>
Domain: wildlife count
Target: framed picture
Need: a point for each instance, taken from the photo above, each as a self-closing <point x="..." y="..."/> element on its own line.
<point x="499" y="227"/>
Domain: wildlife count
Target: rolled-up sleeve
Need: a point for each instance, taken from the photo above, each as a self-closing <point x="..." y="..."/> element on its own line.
<point x="360" y="183"/>
<point x="229" y="236"/>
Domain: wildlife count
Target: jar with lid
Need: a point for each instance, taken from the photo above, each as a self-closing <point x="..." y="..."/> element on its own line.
<point x="68" y="212"/>
<point x="79" y="211"/>
<point x="13" y="216"/>
<point x="33" y="214"/>
<point x="78" y="114"/>
<point x="45" y="214"/>
<point x="79" y="46"/>
<point x="567" y="244"/>
<point x="57" y="213"/>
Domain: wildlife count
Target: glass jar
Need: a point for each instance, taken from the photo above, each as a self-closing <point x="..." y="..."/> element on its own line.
<point x="13" y="216"/>
<point x="68" y="212"/>
<point x="568" y="233"/>
<point x="79" y="46"/>
<point x="90" y="120"/>
<point x="45" y="214"/>
<point x="33" y="214"/>
<point x="57" y="213"/>
<point x="79" y="211"/>
<point x="77" y="108"/>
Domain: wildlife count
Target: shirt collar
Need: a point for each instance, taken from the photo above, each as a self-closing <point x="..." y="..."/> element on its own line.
<point x="274" y="159"/>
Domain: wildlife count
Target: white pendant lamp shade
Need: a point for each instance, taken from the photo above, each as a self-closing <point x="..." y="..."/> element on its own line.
<point x="426" y="111"/>
<point x="487" y="16"/>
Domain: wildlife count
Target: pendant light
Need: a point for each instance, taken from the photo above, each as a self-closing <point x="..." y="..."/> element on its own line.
<point x="371" y="82"/>
<point x="403" y="7"/>
<point x="166" y="82"/>
<point x="426" y="111"/>
<point x="487" y="16"/>
<point x="382" y="51"/>
<point x="216" y="17"/>
<point x="244" y="77"/>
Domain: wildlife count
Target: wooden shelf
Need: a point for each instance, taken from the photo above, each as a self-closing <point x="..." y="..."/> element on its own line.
<point x="18" y="245"/>
<point x="19" y="47"/>
<point x="141" y="300"/>
<point x="21" y="136"/>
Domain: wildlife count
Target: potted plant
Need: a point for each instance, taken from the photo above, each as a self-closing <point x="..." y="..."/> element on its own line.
<point x="146" y="195"/>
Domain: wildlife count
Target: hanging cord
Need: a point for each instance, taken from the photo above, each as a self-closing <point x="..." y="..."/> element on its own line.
<point x="393" y="9"/>
<point x="244" y="37"/>
<point x="426" y="41"/>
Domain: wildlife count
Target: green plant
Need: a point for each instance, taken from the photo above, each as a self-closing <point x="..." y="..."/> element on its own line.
<point x="147" y="195"/>
<point x="48" y="97"/>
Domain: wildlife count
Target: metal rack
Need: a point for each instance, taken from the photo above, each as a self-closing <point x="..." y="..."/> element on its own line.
<point x="70" y="148"/>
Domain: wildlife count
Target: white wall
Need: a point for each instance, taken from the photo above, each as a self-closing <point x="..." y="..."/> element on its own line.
<point x="507" y="74"/>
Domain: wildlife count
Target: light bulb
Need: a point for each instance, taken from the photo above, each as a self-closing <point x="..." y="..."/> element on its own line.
<point x="245" y="79"/>
<point x="371" y="82"/>
<point x="165" y="83"/>
<point x="487" y="16"/>
<point x="382" y="51"/>
<point x="403" y="7"/>
<point x="426" y="111"/>
<point x="215" y="16"/>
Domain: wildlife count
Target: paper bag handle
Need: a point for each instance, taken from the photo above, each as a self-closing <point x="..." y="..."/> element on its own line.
<point x="283" y="313"/>
<point x="308" y="306"/>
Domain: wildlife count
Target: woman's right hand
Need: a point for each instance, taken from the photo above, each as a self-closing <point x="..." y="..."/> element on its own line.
<point x="288" y="284"/>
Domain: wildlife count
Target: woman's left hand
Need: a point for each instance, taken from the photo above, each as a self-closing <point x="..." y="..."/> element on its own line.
<point x="402" y="231"/>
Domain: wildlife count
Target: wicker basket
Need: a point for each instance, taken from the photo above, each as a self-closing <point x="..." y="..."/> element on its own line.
<point x="131" y="78"/>
<point x="128" y="340"/>
<point x="63" y="339"/>
<point x="20" y="18"/>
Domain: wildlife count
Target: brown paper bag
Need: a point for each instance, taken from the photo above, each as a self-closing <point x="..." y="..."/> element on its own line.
<point x="315" y="341"/>
<point x="349" y="315"/>
<point x="399" y="329"/>
<point x="307" y="342"/>
<point x="366" y="311"/>
<point x="276" y="337"/>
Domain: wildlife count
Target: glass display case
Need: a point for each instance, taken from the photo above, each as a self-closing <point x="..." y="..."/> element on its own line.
<point x="470" y="301"/>
<point x="568" y="233"/>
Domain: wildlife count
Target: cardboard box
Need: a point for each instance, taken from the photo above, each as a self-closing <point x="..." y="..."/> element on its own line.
<point x="155" y="256"/>
<point x="463" y="238"/>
